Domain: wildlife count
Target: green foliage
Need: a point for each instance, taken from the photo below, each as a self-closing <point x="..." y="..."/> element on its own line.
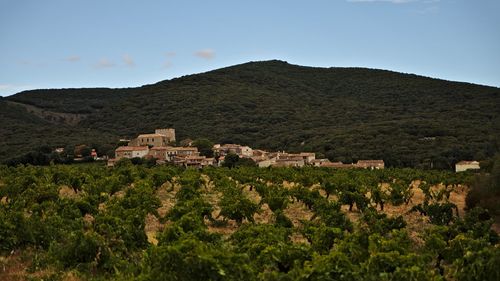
<point x="478" y="265"/>
<point x="485" y="190"/>
<point x="407" y="120"/>
<point x="380" y="223"/>
<point x="80" y="249"/>
<point x="191" y="259"/>
<point x="321" y="237"/>
<point x="438" y="213"/>
<point x="333" y="266"/>
<point x="276" y="197"/>
<point x="204" y="147"/>
<point x="92" y="221"/>
<point x="282" y="220"/>
<point x="235" y="206"/>
<point x="232" y="160"/>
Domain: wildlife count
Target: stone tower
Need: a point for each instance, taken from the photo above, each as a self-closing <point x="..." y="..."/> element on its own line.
<point x="168" y="132"/>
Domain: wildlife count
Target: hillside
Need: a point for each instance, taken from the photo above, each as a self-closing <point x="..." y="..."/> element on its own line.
<point x="343" y="113"/>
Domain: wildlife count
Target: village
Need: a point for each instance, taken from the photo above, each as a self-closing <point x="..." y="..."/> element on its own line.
<point x="159" y="146"/>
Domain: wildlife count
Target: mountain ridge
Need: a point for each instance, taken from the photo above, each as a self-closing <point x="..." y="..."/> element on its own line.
<point x="341" y="113"/>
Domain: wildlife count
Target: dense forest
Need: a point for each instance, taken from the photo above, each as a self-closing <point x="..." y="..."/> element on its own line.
<point x="344" y="114"/>
<point x="136" y="222"/>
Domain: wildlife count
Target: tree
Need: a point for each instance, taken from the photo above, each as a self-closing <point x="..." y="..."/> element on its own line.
<point x="204" y="146"/>
<point x="230" y="160"/>
<point x="485" y="190"/>
<point x="234" y="205"/>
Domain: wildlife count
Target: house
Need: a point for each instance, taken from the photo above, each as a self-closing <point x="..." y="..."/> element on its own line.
<point x="240" y="150"/>
<point x="149" y="140"/>
<point x="169" y="133"/>
<point x="308" y="157"/>
<point x="207" y="162"/>
<point x="370" y="164"/>
<point x="291" y="162"/>
<point x="168" y="153"/>
<point x="467" y="165"/>
<point x="259" y="152"/>
<point x="159" y="152"/>
<point x="131" y="152"/>
<point x="319" y="162"/>
<point x="181" y="151"/>
<point x="194" y="161"/>
<point x="161" y="137"/>
<point x="263" y="161"/>
<point x="337" y="165"/>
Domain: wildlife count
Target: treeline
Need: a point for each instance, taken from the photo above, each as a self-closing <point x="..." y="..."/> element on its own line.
<point x="92" y="221"/>
<point x="45" y="155"/>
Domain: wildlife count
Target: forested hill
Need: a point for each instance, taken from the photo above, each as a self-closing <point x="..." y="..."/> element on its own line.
<point x="343" y="113"/>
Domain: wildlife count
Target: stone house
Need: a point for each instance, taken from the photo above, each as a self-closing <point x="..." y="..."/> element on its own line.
<point x="131" y="152"/>
<point x="337" y="165"/>
<point x="149" y="140"/>
<point x="240" y="150"/>
<point x="181" y="151"/>
<point x="193" y="161"/>
<point x="319" y="162"/>
<point x="467" y="165"/>
<point x="161" y="137"/>
<point x="297" y="162"/>
<point x="370" y="164"/>
<point x="159" y="152"/>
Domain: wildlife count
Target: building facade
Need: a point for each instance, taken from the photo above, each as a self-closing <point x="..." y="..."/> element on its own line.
<point x="131" y="152"/>
<point x="467" y="165"/>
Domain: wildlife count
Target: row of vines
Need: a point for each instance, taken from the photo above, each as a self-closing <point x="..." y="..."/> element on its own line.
<point x="92" y="222"/>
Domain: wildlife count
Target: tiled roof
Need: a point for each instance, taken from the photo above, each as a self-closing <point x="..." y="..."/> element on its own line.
<point x="184" y="148"/>
<point x="150" y="135"/>
<point x="132" y="148"/>
<point x="371" y="162"/>
<point x="164" y="148"/>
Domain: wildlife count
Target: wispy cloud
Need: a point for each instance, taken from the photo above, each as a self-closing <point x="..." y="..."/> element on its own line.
<point x="168" y="61"/>
<point x="25" y="62"/>
<point x="72" y="59"/>
<point x="104" y="63"/>
<point x="128" y="60"/>
<point x="429" y="10"/>
<point x="167" y="64"/>
<point x="205" y="54"/>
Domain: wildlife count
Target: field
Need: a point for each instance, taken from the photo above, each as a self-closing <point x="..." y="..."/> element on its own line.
<point x="87" y="222"/>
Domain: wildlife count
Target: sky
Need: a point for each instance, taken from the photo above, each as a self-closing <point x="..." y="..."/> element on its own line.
<point x="128" y="43"/>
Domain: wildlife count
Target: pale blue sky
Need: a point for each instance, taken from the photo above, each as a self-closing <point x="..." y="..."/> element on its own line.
<point x="124" y="43"/>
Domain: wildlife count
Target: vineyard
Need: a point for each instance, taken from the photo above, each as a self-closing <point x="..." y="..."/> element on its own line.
<point x="134" y="222"/>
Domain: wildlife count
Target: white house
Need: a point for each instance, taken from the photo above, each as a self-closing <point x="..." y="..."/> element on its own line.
<point x="467" y="165"/>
